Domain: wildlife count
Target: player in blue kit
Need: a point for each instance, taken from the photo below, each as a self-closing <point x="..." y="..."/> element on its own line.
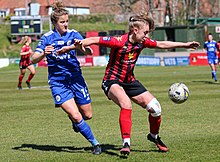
<point x="211" y="48"/>
<point x="67" y="84"/>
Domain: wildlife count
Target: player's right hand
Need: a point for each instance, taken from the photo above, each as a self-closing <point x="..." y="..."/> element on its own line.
<point x="48" y="50"/>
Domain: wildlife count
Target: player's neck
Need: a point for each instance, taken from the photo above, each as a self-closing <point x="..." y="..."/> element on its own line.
<point x="131" y="38"/>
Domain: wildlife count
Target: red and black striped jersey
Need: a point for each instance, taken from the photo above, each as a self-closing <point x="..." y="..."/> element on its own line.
<point x="123" y="57"/>
<point x="25" y="59"/>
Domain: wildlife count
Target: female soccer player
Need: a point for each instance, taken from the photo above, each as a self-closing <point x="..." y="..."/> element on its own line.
<point x="211" y="48"/>
<point x="67" y="84"/>
<point x="25" y="62"/>
<point x="119" y="82"/>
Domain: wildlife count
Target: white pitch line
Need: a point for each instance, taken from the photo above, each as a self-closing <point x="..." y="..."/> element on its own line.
<point x="36" y="87"/>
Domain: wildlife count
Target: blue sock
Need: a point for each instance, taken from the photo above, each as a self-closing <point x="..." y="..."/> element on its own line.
<point x="214" y="74"/>
<point x="86" y="131"/>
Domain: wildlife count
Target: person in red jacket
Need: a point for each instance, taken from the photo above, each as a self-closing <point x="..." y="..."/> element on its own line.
<point x="218" y="50"/>
<point x="119" y="82"/>
<point x="25" y="62"/>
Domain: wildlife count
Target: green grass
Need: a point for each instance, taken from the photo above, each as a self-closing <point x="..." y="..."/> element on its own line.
<point x="31" y="129"/>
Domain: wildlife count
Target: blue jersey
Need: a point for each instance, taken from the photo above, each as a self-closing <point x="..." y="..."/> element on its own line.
<point x="211" y="48"/>
<point x="65" y="65"/>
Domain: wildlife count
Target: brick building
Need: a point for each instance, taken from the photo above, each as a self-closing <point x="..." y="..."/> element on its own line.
<point x="41" y="7"/>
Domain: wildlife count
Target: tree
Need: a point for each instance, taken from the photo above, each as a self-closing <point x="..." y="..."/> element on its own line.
<point x="125" y="5"/>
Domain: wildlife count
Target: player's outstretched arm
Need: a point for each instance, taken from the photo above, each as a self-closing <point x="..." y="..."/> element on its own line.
<point x="89" y="41"/>
<point x="170" y="44"/>
<point x="82" y="45"/>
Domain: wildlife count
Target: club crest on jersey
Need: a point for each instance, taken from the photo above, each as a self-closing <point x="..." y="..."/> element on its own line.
<point x="68" y="43"/>
<point x="58" y="98"/>
<point x="106" y="38"/>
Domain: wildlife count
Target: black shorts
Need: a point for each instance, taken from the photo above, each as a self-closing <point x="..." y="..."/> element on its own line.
<point x="24" y="65"/>
<point x="131" y="89"/>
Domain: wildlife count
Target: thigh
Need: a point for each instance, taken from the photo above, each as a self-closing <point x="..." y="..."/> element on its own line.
<point x="31" y="68"/>
<point x="22" y="71"/>
<point x="72" y="110"/>
<point x="143" y="99"/>
<point x="117" y="94"/>
<point x="212" y="66"/>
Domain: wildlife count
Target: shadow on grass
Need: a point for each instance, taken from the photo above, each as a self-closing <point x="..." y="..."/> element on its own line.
<point x="106" y="149"/>
<point x="205" y="82"/>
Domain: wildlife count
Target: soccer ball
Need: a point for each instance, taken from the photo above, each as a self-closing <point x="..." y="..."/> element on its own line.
<point x="178" y="93"/>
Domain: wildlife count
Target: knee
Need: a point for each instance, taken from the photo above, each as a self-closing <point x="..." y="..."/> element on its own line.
<point x="154" y="108"/>
<point x="125" y="104"/>
<point x="87" y="116"/>
<point x="75" y="117"/>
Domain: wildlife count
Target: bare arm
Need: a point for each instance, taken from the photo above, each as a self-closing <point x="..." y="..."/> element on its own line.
<point x="91" y="40"/>
<point x="82" y="45"/>
<point x="170" y="44"/>
<point x="37" y="56"/>
<point x="26" y="53"/>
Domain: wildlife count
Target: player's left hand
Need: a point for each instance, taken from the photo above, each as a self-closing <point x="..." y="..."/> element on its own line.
<point x="79" y="45"/>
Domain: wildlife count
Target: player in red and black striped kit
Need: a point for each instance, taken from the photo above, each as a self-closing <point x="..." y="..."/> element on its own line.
<point x="119" y="82"/>
<point x="25" y="62"/>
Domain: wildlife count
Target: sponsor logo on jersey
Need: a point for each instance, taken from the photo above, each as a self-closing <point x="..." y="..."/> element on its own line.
<point x="130" y="55"/>
<point x="130" y="58"/>
<point x="60" y="42"/>
<point x="106" y="38"/>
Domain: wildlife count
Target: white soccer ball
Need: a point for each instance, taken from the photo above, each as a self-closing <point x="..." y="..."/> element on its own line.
<point x="178" y="93"/>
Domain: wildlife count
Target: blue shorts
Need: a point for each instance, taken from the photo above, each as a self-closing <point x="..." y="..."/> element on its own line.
<point x="213" y="61"/>
<point x="64" y="90"/>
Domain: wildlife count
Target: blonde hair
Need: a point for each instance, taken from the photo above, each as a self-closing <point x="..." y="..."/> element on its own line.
<point x="25" y="39"/>
<point x="138" y="20"/>
<point x="58" y="10"/>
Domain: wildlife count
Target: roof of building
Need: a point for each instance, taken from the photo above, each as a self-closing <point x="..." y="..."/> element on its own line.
<point x="22" y="3"/>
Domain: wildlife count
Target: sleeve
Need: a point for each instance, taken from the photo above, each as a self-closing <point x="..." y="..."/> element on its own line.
<point x="75" y="35"/>
<point x="216" y="45"/>
<point x="41" y="45"/>
<point x="110" y="42"/>
<point x="204" y="46"/>
<point x="78" y="36"/>
<point x="150" y="43"/>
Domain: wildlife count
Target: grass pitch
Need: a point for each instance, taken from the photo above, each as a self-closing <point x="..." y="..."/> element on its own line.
<point x="31" y="129"/>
